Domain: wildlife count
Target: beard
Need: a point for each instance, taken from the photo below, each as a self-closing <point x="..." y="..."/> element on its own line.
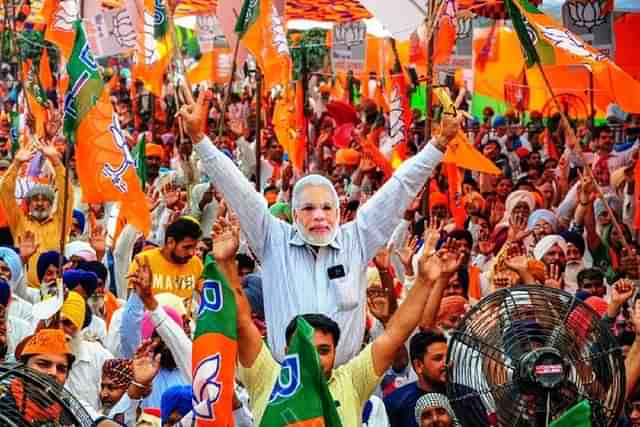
<point x="571" y="271"/>
<point x="106" y="406"/>
<point x="40" y="214"/>
<point x="315" y="240"/>
<point x="179" y="259"/>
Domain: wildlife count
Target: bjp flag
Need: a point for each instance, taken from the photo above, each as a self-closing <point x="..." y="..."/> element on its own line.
<point x="154" y="46"/>
<point x="59" y="17"/>
<point x="262" y="33"/>
<point x="107" y="172"/>
<point x="215" y="346"/>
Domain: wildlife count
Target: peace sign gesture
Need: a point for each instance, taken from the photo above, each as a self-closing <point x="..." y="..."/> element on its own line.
<point x="194" y="116"/>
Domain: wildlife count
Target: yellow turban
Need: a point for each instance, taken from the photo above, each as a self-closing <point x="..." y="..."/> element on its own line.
<point x="74" y="309"/>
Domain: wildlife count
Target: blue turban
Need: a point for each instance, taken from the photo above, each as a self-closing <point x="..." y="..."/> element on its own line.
<point x="252" y="285"/>
<point x="544" y="215"/>
<point x="5" y="293"/>
<point x="85" y="279"/>
<point x="79" y="216"/>
<point x="499" y="121"/>
<point x="45" y="260"/>
<point x="13" y="261"/>
<point x="176" y="398"/>
<point x="95" y="267"/>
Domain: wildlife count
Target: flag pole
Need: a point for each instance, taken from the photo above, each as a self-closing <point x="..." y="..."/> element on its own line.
<point x="578" y="151"/>
<point x="258" y="126"/>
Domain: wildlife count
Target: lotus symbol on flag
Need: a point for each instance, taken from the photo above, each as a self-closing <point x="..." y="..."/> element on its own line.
<point x="124" y="30"/>
<point x="66" y="15"/>
<point x="567" y="41"/>
<point x="279" y="38"/>
<point x="587" y="13"/>
<point x="150" y="53"/>
<point x="206" y="387"/>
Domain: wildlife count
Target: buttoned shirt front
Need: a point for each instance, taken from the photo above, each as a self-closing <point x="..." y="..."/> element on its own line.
<point x="295" y="275"/>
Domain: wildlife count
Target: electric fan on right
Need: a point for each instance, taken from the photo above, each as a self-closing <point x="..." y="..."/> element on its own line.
<point x="524" y="356"/>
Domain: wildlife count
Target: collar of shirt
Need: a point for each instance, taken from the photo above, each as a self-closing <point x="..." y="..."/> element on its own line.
<point x="296" y="240"/>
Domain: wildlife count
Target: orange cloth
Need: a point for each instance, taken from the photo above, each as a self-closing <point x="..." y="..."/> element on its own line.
<point x="454" y="304"/>
<point x="436" y="199"/>
<point x="111" y="304"/>
<point x="347" y="157"/>
<point x="47" y="341"/>
<point x="153" y="150"/>
<point x="474" y="291"/>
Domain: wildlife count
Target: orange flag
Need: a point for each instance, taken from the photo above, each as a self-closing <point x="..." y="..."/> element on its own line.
<point x="455" y="195"/>
<point x="45" y="72"/>
<point x="108" y="172"/>
<point x="60" y="16"/>
<point x="263" y="34"/>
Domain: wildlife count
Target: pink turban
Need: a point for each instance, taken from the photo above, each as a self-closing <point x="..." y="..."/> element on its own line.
<point x="148" y="327"/>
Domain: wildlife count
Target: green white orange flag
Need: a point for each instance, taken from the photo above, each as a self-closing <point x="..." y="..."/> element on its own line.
<point x="107" y="171"/>
<point x="214" y="351"/>
<point x="301" y="397"/>
<point x="548" y="43"/>
<point x="262" y="33"/>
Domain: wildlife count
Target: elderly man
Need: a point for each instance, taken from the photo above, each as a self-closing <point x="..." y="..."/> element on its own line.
<point x="552" y="250"/>
<point x="39" y="220"/>
<point x="434" y="410"/>
<point x="316" y="265"/>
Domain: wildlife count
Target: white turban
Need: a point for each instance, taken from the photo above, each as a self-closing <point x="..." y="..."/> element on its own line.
<point x="518" y="197"/>
<point x="81" y="249"/>
<point x="547" y="243"/>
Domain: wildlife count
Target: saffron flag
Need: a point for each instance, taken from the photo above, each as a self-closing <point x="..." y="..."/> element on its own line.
<point x="141" y="160"/>
<point x="60" y="16"/>
<point x="214" y="351"/>
<point x="399" y="119"/>
<point x="459" y="151"/>
<point x="548" y="43"/>
<point x="262" y="33"/>
<point x="107" y="171"/>
<point x="300" y="396"/>
<point x="154" y="46"/>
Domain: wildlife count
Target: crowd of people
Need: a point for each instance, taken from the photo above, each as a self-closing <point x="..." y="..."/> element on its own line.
<point x="376" y="264"/>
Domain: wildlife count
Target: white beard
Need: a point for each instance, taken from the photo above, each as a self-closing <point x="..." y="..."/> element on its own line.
<point x="571" y="275"/>
<point x="313" y="240"/>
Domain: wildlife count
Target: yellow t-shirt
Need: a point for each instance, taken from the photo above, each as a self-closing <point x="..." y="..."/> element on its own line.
<point x="179" y="279"/>
<point x="351" y="384"/>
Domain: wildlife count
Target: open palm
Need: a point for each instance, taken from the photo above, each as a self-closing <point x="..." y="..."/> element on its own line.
<point x="226" y="240"/>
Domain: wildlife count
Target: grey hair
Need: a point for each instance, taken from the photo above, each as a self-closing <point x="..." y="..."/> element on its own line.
<point x="40" y="190"/>
<point x="315" y="181"/>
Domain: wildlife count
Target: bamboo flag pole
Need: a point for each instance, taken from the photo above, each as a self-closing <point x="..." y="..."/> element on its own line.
<point x="578" y="151"/>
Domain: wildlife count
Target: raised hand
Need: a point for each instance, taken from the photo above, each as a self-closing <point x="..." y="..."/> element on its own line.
<point x="432" y="234"/>
<point x="171" y="196"/>
<point x="142" y="281"/>
<point x="226" y="240"/>
<point x="518" y="228"/>
<point x="146" y="364"/>
<point x="517" y="259"/>
<point x="382" y="260"/>
<point x="28" y="246"/>
<point x="98" y="239"/>
<point x="621" y="291"/>
<point x="406" y="253"/>
<point x="194" y="116"/>
<point x="441" y="264"/>
<point x="630" y="263"/>
<point x="25" y="154"/>
<point x="553" y="277"/>
<point x="54" y="121"/>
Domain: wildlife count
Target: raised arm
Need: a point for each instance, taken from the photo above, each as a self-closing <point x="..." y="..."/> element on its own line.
<point x="431" y="269"/>
<point x="51" y="153"/>
<point x="379" y="216"/>
<point x="237" y="190"/>
<point x="8" y="188"/>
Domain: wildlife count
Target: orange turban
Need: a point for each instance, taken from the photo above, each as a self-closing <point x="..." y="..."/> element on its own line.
<point x="47" y="341"/>
<point x="153" y="150"/>
<point x="347" y="157"/>
<point x="436" y="199"/>
<point x="451" y="305"/>
<point x="473" y="196"/>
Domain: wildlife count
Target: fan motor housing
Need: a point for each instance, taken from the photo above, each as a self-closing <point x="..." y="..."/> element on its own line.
<point x="542" y="369"/>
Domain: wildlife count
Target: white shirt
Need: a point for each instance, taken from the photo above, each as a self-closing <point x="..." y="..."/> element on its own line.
<point x="112" y="341"/>
<point x="378" y="416"/>
<point x="17" y="330"/>
<point x="96" y="331"/>
<point x="85" y="377"/>
<point x="295" y="278"/>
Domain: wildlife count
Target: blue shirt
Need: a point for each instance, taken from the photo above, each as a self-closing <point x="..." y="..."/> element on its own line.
<point x="401" y="405"/>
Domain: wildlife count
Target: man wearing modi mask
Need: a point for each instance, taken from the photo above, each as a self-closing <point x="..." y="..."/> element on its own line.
<point x="315" y="265"/>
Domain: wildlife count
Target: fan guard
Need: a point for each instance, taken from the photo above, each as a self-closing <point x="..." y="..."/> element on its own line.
<point x="29" y="399"/>
<point x="523" y="356"/>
